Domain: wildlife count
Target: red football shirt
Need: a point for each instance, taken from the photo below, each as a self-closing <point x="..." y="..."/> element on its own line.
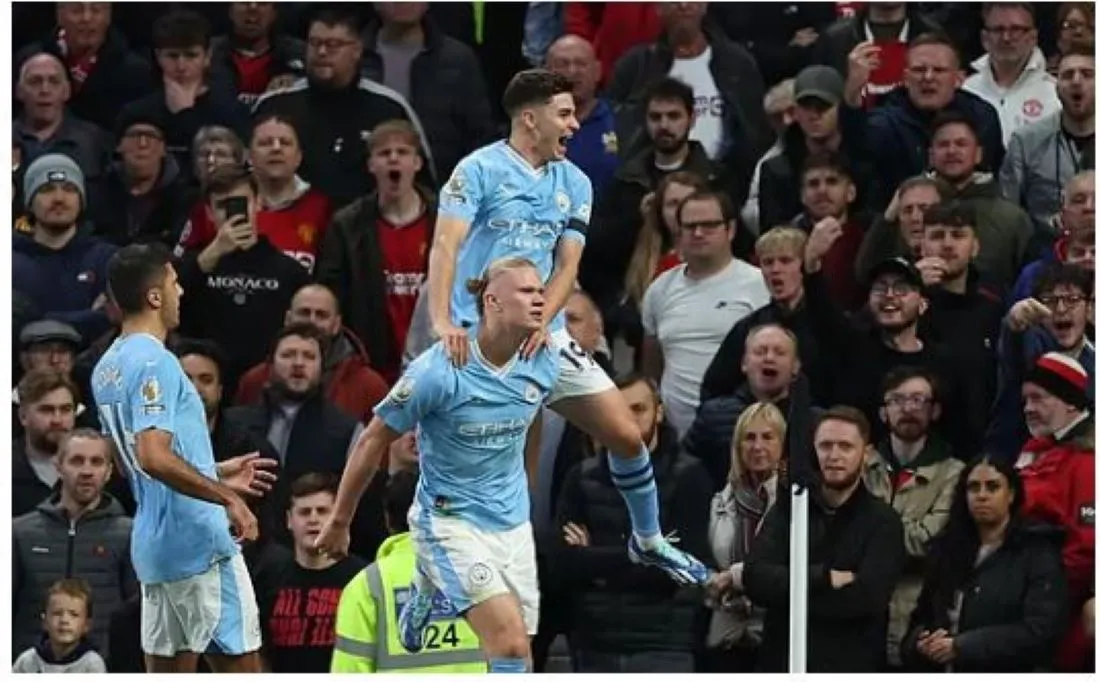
<point x="253" y="74"/>
<point x="405" y="263"/>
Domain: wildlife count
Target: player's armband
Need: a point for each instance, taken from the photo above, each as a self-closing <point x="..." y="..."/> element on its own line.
<point x="577" y="225"/>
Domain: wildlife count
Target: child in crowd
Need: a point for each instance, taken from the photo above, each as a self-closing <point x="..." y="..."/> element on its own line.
<point x="64" y="647"/>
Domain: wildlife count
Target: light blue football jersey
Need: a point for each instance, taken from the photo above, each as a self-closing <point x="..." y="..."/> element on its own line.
<point x="514" y="210"/>
<point x="138" y="385"/>
<point x="472" y="426"/>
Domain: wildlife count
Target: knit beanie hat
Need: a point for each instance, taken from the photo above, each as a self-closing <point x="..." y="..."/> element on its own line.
<point x="1061" y="376"/>
<point x="52" y="168"/>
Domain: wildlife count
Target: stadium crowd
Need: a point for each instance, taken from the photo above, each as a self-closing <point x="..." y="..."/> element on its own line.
<point x="848" y="243"/>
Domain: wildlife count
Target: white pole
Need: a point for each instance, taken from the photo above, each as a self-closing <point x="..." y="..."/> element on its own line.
<point x="799" y="570"/>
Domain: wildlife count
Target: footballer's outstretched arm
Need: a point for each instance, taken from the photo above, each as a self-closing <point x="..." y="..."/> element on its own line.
<point x="450" y="232"/>
<point x="156" y="458"/>
<point x="361" y="468"/>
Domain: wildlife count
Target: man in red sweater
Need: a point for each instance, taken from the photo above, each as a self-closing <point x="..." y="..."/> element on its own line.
<point x="1058" y="470"/>
<point x="347" y="378"/>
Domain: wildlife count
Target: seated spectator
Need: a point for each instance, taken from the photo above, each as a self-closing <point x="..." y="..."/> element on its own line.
<point x="770" y="365"/>
<point x="1077" y="245"/>
<point x="348" y="380"/>
<point x="292" y="215"/>
<point x="855" y="552"/>
<point x="256" y="53"/>
<point x="441" y="78"/>
<point x="779" y="253"/>
<point x="656" y="251"/>
<point x="335" y="110"/>
<point x="629" y="618"/>
<point x="104" y="73"/>
<point x="1043" y="158"/>
<point x="190" y="96"/>
<point x="595" y="145"/>
<point x="147" y="198"/>
<point x="47" y="408"/>
<point x="964" y="313"/>
<point x="889" y="26"/>
<point x="52" y="345"/>
<point x="828" y="192"/>
<point x="1075" y="23"/>
<point x="79" y="532"/>
<point x="375" y="255"/>
<point x="729" y="123"/>
<point x="669" y="113"/>
<point x="779" y="108"/>
<point x="240" y="285"/>
<point x="298" y="607"/>
<point x="757" y="477"/>
<point x="688" y="310"/>
<point x="895" y="135"/>
<point x="818" y="94"/>
<point x="1012" y="74"/>
<point x="1058" y="474"/>
<point x="899" y="231"/>
<point x="1056" y="318"/>
<point x="914" y="471"/>
<point x="307" y="432"/>
<point x="214" y="146"/>
<point x="1005" y="571"/>
<point x="366" y="614"/>
<point x="1003" y="229"/>
<point x="64" y="647"/>
<point x="46" y="126"/>
<point x="62" y="271"/>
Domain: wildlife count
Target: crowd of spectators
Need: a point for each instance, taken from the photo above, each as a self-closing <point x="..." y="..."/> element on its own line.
<point x="845" y="244"/>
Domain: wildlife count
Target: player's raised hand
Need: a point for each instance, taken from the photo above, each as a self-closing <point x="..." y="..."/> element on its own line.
<point x="534" y="342"/>
<point x="242" y="521"/>
<point x="249" y="475"/>
<point x="455" y="341"/>
<point x="333" y="540"/>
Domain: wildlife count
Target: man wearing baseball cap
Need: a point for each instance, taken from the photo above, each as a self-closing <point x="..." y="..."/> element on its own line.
<point x="818" y="90"/>
<point x="63" y="272"/>
<point x="1058" y="470"/>
<point x="48" y="344"/>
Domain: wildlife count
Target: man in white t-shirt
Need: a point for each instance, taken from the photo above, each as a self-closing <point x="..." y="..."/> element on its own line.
<point x="688" y="310"/>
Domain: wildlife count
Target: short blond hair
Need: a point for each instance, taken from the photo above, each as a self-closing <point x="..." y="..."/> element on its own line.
<point x="781" y="239"/>
<point x="398" y="128"/>
<point x="764" y="412"/>
<point x="478" y="287"/>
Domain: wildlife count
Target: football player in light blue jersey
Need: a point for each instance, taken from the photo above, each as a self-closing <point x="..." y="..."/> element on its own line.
<point x="522" y="197"/>
<point x="197" y="596"/>
<point x="470" y="522"/>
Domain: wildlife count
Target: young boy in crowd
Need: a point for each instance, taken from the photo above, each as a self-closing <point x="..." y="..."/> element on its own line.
<point x="64" y="647"/>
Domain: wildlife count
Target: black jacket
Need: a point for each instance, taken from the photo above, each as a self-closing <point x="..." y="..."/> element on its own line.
<point x="448" y="92"/>
<point x="619" y="607"/>
<point x="120" y="76"/>
<point x="27" y="490"/>
<point x="350" y="263"/>
<point x="158" y="216"/>
<point x="1014" y="610"/>
<point x="333" y="127"/>
<point x="241" y="303"/>
<point x="846" y="628"/>
<point x="766" y="31"/>
<point x="319" y="442"/>
<point x="735" y="73"/>
<point x="288" y="56"/>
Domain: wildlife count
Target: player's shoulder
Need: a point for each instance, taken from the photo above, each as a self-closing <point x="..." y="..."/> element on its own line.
<point x="484" y="159"/>
<point x="571" y="173"/>
<point x="431" y="369"/>
<point x="543" y="367"/>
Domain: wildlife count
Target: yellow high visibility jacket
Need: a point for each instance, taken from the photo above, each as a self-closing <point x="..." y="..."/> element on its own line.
<point x="366" y="623"/>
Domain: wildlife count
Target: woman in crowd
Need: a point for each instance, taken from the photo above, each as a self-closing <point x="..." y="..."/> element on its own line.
<point x="756" y="478"/>
<point x="994" y="599"/>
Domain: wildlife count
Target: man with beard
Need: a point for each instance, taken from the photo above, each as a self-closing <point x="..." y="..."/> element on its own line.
<point x="1058" y="317"/>
<point x="963" y="314"/>
<point x="1042" y="157"/>
<point x="306" y="431"/>
<point x="47" y="409"/>
<point x="912" y="470"/>
<point x="900" y="230"/>
<point x="1003" y="228"/>
<point x="79" y="532"/>
<point x="628" y="618"/>
<point x="669" y="113"/>
<point x="347" y="379"/>
<point x="47" y="344"/>
<point x="1077" y="223"/>
<point x="1058" y="471"/>
<point x="62" y="272"/>
<point x="855" y="550"/>
<point x="865" y="348"/>
<point x="336" y="110"/>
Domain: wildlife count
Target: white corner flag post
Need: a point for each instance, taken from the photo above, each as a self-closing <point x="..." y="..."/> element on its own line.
<point x="799" y="572"/>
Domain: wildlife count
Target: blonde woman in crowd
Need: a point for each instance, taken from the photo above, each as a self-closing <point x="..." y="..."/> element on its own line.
<point x="756" y="478"/>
